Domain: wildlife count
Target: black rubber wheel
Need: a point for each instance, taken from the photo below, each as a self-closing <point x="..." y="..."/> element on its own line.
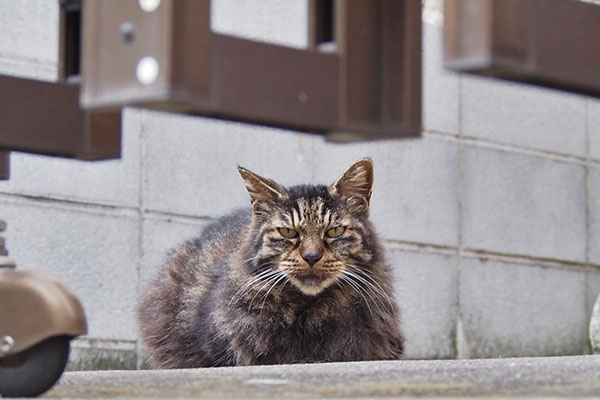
<point x="35" y="370"/>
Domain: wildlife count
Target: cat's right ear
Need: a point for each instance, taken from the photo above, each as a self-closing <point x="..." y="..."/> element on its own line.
<point x="262" y="190"/>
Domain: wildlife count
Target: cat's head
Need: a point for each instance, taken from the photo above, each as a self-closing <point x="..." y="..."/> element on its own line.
<point x="312" y="236"/>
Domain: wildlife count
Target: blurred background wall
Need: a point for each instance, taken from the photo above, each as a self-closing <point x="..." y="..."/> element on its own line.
<point x="491" y="220"/>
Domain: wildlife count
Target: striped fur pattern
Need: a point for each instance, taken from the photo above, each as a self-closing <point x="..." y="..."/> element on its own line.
<point x="301" y="277"/>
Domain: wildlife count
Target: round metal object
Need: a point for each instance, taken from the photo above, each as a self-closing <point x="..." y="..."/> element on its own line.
<point x="149" y="5"/>
<point x="6" y="344"/>
<point x="147" y="70"/>
<point x="127" y="32"/>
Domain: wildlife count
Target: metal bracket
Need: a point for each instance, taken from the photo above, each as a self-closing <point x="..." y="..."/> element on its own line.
<point x="166" y="57"/>
<point x="526" y="41"/>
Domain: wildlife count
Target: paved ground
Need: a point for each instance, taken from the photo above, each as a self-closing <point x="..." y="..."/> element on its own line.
<point x="524" y="377"/>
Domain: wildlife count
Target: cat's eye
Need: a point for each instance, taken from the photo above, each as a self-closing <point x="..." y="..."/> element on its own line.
<point x="335" y="232"/>
<point x="288" y="233"/>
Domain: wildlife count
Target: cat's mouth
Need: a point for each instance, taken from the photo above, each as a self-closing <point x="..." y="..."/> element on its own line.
<point x="312" y="283"/>
<point x="311" y="279"/>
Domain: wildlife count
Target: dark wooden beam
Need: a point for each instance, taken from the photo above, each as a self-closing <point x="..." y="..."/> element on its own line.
<point x="4" y="170"/>
<point x="369" y="87"/>
<point x="45" y="118"/>
<point x="547" y="43"/>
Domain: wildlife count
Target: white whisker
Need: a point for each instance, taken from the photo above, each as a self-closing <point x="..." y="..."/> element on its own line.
<point x="374" y="285"/>
<point x="241" y="292"/>
<point x="282" y="276"/>
<point x="348" y="279"/>
<point x="365" y="285"/>
<point x="266" y="284"/>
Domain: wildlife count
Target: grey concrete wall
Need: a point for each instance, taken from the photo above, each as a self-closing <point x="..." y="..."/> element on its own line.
<point x="491" y="220"/>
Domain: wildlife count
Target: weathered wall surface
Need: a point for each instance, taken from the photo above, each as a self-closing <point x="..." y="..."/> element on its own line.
<point x="491" y="220"/>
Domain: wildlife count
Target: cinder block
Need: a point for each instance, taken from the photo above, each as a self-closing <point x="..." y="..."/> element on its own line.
<point x="523" y="115"/>
<point x="594" y="128"/>
<point x="521" y="204"/>
<point x="426" y="291"/>
<point x="114" y="182"/>
<point x="161" y="234"/>
<point x="190" y="163"/>
<point x="511" y="310"/>
<point x="271" y="21"/>
<point x="440" y="87"/>
<point x="93" y="250"/>
<point x="415" y="195"/>
<point x="29" y="32"/>
<point x="594" y="214"/>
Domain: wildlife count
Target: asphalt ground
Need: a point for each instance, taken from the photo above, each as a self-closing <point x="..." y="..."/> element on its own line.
<point x="547" y="377"/>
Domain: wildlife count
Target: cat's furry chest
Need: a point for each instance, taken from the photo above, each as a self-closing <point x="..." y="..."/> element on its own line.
<point x="318" y="330"/>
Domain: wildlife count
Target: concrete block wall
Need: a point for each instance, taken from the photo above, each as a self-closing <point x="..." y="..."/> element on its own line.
<point x="491" y="220"/>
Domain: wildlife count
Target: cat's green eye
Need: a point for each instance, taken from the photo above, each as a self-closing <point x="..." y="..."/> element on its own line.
<point x="335" y="232"/>
<point x="288" y="233"/>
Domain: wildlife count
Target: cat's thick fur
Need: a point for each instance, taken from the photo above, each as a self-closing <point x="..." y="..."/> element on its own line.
<point x="299" y="278"/>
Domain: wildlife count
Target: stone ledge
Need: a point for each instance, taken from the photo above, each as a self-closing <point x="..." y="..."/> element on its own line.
<point x="516" y="377"/>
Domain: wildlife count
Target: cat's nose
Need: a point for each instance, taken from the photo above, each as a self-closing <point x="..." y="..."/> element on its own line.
<point x="311" y="256"/>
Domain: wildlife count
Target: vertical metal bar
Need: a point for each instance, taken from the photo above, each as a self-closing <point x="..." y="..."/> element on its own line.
<point x="4" y="166"/>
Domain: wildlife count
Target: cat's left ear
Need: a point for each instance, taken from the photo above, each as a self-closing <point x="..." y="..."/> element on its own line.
<point x="262" y="190"/>
<point x="356" y="183"/>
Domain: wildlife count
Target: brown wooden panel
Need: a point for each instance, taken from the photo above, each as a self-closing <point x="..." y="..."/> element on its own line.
<point x="401" y="68"/>
<point x="467" y="43"/>
<point x="118" y="35"/>
<point x="567" y="43"/>
<point x="248" y="81"/>
<point x="44" y="117"/>
<point x="379" y="43"/>
<point x="273" y="84"/>
<point x="526" y="40"/>
<point x="4" y="171"/>
<point x="370" y="88"/>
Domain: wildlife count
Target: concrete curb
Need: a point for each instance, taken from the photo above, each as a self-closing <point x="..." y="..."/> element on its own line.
<point x="577" y="376"/>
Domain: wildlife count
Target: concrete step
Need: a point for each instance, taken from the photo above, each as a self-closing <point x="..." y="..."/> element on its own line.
<point x="576" y="376"/>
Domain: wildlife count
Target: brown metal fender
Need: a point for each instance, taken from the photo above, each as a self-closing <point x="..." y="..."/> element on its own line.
<point x="34" y="306"/>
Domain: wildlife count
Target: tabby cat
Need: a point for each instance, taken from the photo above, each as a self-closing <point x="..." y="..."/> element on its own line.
<point x="299" y="278"/>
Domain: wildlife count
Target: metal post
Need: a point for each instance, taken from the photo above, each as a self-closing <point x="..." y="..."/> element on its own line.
<point x="5" y="262"/>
